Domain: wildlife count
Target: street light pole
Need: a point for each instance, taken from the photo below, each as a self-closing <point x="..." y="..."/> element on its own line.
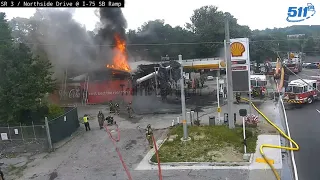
<point x="218" y="99"/>
<point x="229" y="75"/>
<point x="156" y="69"/>
<point x="183" y="102"/>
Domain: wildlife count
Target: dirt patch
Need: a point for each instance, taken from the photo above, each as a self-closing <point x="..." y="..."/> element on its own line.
<point x="53" y="175"/>
<point x="267" y="129"/>
<point x="130" y="144"/>
<point x="225" y="154"/>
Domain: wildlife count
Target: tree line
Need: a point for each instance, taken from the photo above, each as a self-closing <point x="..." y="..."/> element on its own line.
<point x="204" y="36"/>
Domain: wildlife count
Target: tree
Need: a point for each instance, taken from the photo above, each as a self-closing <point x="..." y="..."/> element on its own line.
<point x="208" y="23"/>
<point x="24" y="79"/>
<point x="157" y="32"/>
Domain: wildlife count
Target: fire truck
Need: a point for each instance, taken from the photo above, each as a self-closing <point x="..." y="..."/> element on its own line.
<point x="294" y="63"/>
<point x="302" y="91"/>
<point x="258" y="84"/>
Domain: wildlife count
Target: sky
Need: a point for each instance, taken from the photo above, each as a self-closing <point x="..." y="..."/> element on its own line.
<point x="259" y="14"/>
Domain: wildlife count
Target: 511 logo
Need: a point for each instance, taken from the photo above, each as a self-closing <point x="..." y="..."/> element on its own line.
<point x="298" y="14"/>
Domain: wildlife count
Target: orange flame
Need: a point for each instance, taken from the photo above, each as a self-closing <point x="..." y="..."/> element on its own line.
<point x="120" y="57"/>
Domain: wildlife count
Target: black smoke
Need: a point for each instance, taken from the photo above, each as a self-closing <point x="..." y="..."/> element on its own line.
<point x="113" y="22"/>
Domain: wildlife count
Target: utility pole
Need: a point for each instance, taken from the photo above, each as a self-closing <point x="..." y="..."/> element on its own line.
<point x="156" y="71"/>
<point x="218" y="99"/>
<point x="183" y="103"/>
<point x="229" y="75"/>
<point x="48" y="133"/>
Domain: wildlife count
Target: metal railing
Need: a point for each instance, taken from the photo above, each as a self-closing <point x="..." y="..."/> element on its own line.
<point x="291" y="154"/>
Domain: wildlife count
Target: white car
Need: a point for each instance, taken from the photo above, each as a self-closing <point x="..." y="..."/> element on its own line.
<point x="210" y="78"/>
<point x="305" y="64"/>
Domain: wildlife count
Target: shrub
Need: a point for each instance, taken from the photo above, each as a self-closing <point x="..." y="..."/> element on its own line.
<point x="55" y="111"/>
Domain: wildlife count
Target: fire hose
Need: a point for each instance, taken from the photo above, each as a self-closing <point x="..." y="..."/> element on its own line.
<point x="114" y="141"/>
<point x="117" y="149"/>
<point x="158" y="159"/>
<point x="296" y="148"/>
<point x="156" y="151"/>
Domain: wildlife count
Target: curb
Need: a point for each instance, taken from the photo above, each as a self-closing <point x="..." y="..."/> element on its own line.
<point x="172" y="164"/>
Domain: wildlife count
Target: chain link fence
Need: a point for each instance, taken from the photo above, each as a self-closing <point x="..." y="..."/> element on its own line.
<point x="34" y="138"/>
<point x="21" y="138"/>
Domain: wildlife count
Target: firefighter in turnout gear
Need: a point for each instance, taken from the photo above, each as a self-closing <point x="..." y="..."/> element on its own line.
<point x="130" y="110"/>
<point x="100" y="119"/>
<point x="111" y="107"/>
<point x="149" y="134"/>
<point x="116" y="109"/>
<point x="238" y="97"/>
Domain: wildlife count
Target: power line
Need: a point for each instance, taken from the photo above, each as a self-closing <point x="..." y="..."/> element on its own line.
<point x="159" y="44"/>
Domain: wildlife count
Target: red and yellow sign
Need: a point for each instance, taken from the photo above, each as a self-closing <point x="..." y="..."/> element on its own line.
<point x="237" y="49"/>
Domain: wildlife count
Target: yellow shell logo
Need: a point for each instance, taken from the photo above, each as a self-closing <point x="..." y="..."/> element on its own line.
<point x="237" y="49"/>
<point x="291" y="55"/>
<point x="222" y="64"/>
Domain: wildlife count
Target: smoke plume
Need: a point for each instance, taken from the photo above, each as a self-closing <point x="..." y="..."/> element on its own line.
<point x="55" y="35"/>
<point x="112" y="21"/>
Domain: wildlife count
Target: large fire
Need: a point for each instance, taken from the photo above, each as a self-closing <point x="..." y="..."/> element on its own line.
<point x="120" y="61"/>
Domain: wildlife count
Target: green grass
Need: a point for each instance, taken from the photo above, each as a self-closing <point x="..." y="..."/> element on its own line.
<point x="204" y="141"/>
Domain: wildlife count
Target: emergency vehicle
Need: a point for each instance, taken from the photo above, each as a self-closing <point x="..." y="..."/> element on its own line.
<point x="302" y="91"/>
<point x="294" y="63"/>
<point x="258" y="83"/>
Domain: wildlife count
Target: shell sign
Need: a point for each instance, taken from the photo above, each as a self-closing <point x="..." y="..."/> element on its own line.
<point x="222" y="64"/>
<point x="239" y="49"/>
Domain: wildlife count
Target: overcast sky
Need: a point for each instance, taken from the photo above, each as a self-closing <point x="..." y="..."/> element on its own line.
<point x="257" y="14"/>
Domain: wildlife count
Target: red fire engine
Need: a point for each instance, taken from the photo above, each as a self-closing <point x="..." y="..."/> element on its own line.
<point x="302" y="91"/>
<point x="258" y="83"/>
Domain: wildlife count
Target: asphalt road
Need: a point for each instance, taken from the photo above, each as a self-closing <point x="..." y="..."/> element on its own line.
<point x="304" y="126"/>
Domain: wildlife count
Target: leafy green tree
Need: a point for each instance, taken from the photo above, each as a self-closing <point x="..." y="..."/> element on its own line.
<point x="157" y="32"/>
<point x="24" y="79"/>
<point x="208" y="23"/>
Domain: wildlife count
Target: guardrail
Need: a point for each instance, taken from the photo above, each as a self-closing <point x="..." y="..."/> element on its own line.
<point x="283" y="110"/>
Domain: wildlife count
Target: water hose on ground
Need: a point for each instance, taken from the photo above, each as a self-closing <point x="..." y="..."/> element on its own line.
<point x="158" y="159"/>
<point x="296" y="148"/>
<point x="117" y="149"/>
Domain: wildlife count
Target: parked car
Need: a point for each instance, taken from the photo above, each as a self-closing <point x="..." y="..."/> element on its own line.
<point x="210" y="78"/>
<point x="312" y="66"/>
<point x="304" y="65"/>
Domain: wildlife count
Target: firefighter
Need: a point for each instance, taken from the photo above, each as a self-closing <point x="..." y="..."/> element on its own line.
<point x="261" y="93"/>
<point x="149" y="134"/>
<point x="86" y="122"/>
<point x="130" y="110"/>
<point x="100" y="119"/>
<point x="110" y="120"/>
<point x="111" y="107"/>
<point x="238" y="97"/>
<point x="116" y="109"/>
